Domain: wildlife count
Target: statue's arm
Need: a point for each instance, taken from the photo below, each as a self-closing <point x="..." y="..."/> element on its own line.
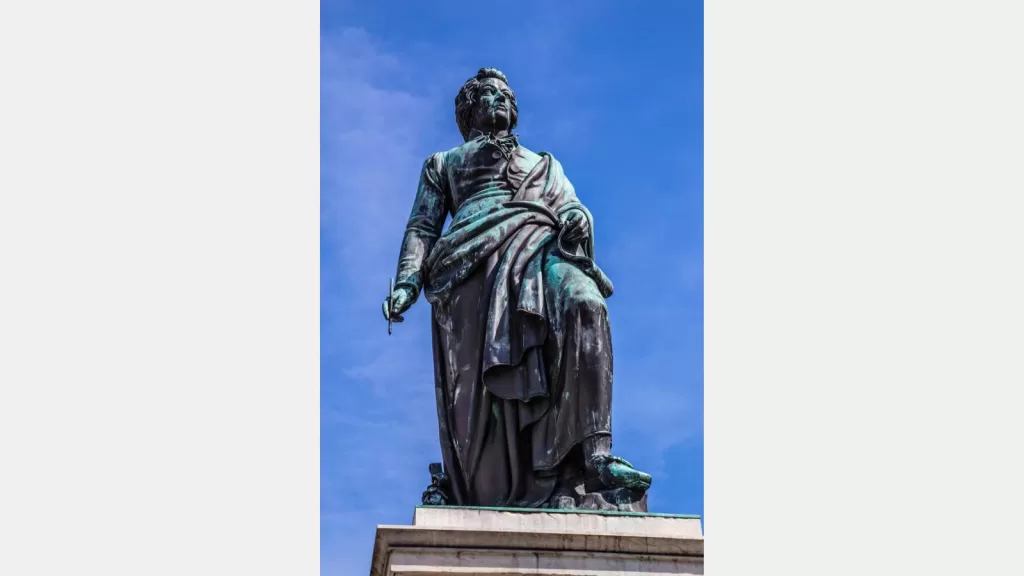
<point x="426" y="221"/>
<point x="573" y="214"/>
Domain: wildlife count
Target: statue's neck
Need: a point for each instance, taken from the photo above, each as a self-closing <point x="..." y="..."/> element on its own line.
<point x="494" y="133"/>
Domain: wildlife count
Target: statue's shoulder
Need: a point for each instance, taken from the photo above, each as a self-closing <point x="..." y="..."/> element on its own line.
<point x="460" y="149"/>
<point x="455" y="155"/>
<point x="526" y="158"/>
<point x="436" y="162"/>
<point x="528" y="154"/>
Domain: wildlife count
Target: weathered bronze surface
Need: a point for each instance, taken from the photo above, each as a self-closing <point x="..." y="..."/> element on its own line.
<point x="522" y="343"/>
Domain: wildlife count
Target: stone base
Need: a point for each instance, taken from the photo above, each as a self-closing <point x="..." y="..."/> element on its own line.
<point x="451" y="541"/>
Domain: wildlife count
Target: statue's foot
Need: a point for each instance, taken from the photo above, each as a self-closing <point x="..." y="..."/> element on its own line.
<point x="614" y="472"/>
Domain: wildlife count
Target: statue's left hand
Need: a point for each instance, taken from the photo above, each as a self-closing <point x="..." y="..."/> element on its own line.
<point x="576" y="226"/>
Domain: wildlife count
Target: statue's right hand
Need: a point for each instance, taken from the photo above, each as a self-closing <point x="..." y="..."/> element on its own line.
<point x="401" y="300"/>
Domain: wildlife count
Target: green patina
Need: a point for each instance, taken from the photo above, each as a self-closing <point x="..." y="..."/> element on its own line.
<point x="568" y="511"/>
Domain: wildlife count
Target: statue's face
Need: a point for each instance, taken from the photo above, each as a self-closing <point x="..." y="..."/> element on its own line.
<point x="493" y="107"/>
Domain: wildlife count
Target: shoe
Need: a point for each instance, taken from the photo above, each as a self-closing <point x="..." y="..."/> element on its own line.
<point x="615" y="472"/>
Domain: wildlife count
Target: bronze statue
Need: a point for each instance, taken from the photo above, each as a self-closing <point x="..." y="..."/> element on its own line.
<point x="522" y="344"/>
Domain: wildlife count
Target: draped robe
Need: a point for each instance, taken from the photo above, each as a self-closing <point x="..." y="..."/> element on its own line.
<point x="522" y="345"/>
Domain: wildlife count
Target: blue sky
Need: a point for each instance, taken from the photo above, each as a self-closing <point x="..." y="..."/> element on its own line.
<point x="615" y="92"/>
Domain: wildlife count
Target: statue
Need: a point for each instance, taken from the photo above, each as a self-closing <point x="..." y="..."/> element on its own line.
<point x="522" y="344"/>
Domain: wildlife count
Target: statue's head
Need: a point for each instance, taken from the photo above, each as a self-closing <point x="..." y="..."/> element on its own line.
<point x="486" y="103"/>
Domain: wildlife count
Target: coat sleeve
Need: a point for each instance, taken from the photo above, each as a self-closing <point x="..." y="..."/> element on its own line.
<point x="426" y="221"/>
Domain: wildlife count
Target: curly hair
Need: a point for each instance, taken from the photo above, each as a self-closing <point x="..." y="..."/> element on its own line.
<point x="467" y="98"/>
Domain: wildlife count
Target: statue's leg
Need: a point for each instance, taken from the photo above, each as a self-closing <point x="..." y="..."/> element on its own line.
<point x="582" y="375"/>
<point x="578" y="358"/>
<point x="490" y="457"/>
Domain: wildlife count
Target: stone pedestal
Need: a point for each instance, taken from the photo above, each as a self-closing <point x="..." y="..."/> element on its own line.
<point x="449" y="540"/>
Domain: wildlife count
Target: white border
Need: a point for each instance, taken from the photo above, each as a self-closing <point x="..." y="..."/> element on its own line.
<point x="864" y="285"/>
<point x="159" y="233"/>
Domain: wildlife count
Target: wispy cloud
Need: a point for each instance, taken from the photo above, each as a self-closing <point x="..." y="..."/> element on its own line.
<point x="377" y="415"/>
<point x="372" y="149"/>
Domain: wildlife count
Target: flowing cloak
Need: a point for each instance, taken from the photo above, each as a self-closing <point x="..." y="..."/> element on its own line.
<point x="519" y="318"/>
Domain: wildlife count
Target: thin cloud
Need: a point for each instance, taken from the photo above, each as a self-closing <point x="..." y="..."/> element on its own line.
<point x="378" y="430"/>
